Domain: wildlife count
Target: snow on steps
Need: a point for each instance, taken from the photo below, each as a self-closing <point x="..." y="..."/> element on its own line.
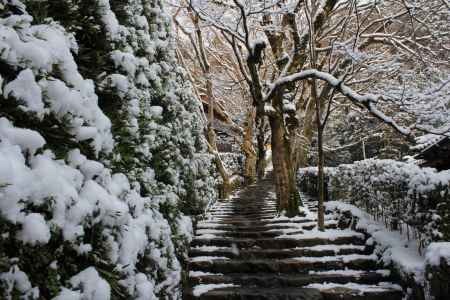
<point x="280" y="280"/>
<point x="278" y="243"/>
<point x="315" y="251"/>
<point x="243" y="251"/>
<point x="214" y="292"/>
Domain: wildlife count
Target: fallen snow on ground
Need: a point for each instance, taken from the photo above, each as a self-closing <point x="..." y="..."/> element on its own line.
<point x="349" y="272"/>
<point x="200" y="273"/>
<point x="287" y="231"/>
<point x="206" y="236"/>
<point x="330" y="234"/>
<point x="204" y="288"/>
<point x="437" y="252"/>
<point x="207" y="258"/>
<point x="294" y="227"/>
<point x="391" y="246"/>
<point x="335" y="248"/>
<point x="343" y="258"/>
<point x="212" y="248"/>
<point x="210" y="231"/>
<point x="359" y="289"/>
<point x="208" y="224"/>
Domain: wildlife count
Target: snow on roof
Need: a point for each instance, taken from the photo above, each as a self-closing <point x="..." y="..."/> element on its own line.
<point x="427" y="141"/>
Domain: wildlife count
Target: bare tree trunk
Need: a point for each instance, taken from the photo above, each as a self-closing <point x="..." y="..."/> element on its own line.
<point x="285" y="183"/>
<point x="261" y="160"/>
<point x="211" y="136"/>
<point x="364" y="149"/>
<point x="248" y="149"/>
<point x="301" y="151"/>
<point x="321" y="208"/>
<point x="320" y="185"/>
<point x="212" y="146"/>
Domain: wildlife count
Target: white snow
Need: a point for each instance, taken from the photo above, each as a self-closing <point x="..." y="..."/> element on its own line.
<point x="91" y="285"/>
<point x="25" y="89"/>
<point x="48" y="190"/>
<point x="436" y="252"/>
<point x="209" y="231"/>
<point x="204" y="288"/>
<point x="200" y="273"/>
<point x="349" y="272"/>
<point x="335" y="248"/>
<point x="393" y="247"/>
<point x="17" y="279"/>
<point x="28" y="140"/>
<point x="343" y="258"/>
<point x="207" y="258"/>
<point x="212" y="248"/>
<point x="330" y="234"/>
<point x="360" y="289"/>
<point x="38" y="48"/>
<point x="34" y="230"/>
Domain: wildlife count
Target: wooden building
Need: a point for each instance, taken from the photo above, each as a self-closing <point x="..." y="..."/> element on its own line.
<point x="436" y="154"/>
<point x="224" y="127"/>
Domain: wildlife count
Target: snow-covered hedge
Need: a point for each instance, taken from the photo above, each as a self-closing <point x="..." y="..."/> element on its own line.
<point x="423" y="276"/>
<point x="402" y="195"/>
<point x="102" y="154"/>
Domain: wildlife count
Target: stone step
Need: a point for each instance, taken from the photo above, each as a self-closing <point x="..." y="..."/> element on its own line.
<point x="279" y="243"/>
<point x="243" y="234"/>
<point x="279" y="226"/>
<point x="244" y="293"/>
<point x="244" y="203"/>
<point x="243" y="250"/>
<point x="231" y="219"/>
<point x="289" y="265"/>
<point x="255" y="206"/>
<point x="352" y="291"/>
<point x="202" y="226"/>
<point x="245" y="207"/>
<point x="256" y="216"/>
<point x="312" y="226"/>
<point x="290" y="280"/>
<point x="242" y="212"/>
<point x="254" y="222"/>
<point x="277" y="253"/>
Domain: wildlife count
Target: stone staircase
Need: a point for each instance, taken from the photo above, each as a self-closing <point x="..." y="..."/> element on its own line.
<point x="243" y="251"/>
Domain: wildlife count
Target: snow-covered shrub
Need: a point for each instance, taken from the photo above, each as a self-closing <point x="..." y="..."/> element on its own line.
<point x="424" y="276"/>
<point x="234" y="162"/>
<point x="403" y="195"/>
<point x="96" y="175"/>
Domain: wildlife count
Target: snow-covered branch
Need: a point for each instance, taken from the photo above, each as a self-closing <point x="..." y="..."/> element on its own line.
<point x="368" y="100"/>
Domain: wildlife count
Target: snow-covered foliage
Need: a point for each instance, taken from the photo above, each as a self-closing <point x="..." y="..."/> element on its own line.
<point x="96" y="175"/>
<point x="437" y="252"/>
<point x="233" y="161"/>
<point x="424" y="275"/>
<point x="393" y="248"/>
<point x="403" y="195"/>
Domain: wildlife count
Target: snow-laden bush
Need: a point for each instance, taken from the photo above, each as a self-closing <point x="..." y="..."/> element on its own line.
<point x="403" y="195"/>
<point x="95" y="174"/>
<point x="234" y="162"/>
